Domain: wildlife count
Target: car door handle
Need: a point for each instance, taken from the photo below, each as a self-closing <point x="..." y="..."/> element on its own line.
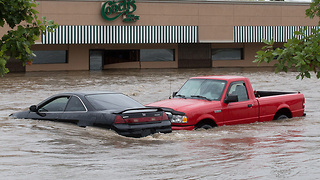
<point x="250" y="105"/>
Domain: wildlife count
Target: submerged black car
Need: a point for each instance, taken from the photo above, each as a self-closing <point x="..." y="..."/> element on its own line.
<point x="103" y="109"/>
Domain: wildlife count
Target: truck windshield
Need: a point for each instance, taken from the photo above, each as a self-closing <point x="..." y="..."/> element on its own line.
<point x="209" y="89"/>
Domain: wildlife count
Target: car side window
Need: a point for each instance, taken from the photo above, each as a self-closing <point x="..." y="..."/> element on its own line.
<point x="239" y="89"/>
<point x="75" y="105"/>
<point x="56" y="105"/>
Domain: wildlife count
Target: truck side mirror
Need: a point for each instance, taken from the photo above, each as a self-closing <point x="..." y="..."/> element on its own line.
<point x="174" y="94"/>
<point x="231" y="98"/>
<point x="33" y="108"/>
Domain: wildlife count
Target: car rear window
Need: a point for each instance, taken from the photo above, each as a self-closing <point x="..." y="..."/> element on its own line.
<point x="112" y="101"/>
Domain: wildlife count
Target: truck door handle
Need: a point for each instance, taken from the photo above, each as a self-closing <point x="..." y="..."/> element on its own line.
<point x="250" y="105"/>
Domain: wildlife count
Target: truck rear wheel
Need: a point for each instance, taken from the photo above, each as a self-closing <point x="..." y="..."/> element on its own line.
<point x="282" y="116"/>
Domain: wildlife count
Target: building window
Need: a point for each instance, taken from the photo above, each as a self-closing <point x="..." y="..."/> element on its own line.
<point x="50" y="57"/>
<point x="157" y="55"/>
<point x="227" y="54"/>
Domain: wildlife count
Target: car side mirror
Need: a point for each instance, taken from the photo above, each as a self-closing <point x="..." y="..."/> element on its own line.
<point x="174" y="94"/>
<point x="231" y="98"/>
<point x="33" y="108"/>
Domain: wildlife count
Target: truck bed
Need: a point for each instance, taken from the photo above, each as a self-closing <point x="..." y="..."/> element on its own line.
<point x="271" y="93"/>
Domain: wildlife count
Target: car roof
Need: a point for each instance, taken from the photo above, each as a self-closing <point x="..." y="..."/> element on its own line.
<point x="84" y="93"/>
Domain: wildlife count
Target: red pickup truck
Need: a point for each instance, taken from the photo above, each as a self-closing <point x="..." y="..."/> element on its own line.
<point x="209" y="101"/>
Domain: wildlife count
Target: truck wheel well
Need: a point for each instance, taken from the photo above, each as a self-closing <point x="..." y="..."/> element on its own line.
<point x="283" y="111"/>
<point x="206" y="122"/>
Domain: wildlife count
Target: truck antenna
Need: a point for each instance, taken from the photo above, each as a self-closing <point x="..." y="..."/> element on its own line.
<point x="170" y="89"/>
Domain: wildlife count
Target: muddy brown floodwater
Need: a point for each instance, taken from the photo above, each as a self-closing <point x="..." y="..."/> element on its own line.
<point x="31" y="149"/>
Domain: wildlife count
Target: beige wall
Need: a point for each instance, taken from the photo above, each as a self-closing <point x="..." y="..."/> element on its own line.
<point x="78" y="57"/>
<point x="250" y="50"/>
<point x="215" y="21"/>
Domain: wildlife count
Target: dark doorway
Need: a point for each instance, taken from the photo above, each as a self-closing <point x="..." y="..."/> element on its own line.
<point x="119" y="56"/>
<point x="96" y="59"/>
<point x="194" y="56"/>
<point x="15" y="65"/>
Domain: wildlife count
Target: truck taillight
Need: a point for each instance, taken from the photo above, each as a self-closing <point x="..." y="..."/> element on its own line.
<point x="119" y="120"/>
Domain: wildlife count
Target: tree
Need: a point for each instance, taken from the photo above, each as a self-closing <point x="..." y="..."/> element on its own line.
<point x="25" y="29"/>
<point x="301" y="53"/>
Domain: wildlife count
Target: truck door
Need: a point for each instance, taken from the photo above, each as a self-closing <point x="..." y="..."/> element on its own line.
<point x="245" y="110"/>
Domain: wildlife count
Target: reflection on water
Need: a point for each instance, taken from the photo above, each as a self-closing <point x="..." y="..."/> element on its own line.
<point x="285" y="149"/>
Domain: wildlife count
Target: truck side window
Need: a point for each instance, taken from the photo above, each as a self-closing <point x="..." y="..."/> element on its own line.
<point x="239" y="89"/>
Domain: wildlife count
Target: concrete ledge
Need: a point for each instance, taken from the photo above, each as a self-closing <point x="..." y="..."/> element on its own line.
<point x="288" y="2"/>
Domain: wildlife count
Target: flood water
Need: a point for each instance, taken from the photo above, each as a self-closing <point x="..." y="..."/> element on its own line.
<point x="30" y="149"/>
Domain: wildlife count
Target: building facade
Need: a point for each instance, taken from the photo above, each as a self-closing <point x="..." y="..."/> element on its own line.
<point x="96" y="35"/>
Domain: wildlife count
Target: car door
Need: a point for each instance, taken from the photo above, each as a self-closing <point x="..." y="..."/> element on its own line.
<point x="51" y="109"/>
<point x="245" y="110"/>
<point x="75" y="112"/>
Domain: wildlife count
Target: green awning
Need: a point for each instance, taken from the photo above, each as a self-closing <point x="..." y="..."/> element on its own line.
<point x="121" y="35"/>
<point x="244" y="34"/>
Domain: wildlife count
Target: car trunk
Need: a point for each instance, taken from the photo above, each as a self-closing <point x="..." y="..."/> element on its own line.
<point x="141" y="117"/>
<point x="141" y="122"/>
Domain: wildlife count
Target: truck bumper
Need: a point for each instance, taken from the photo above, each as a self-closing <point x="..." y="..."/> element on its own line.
<point x="182" y="127"/>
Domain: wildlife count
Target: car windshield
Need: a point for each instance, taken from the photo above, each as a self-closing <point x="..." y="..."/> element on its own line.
<point x="208" y="89"/>
<point x="112" y="101"/>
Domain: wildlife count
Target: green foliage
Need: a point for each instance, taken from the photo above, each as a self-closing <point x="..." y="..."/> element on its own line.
<point x="26" y="28"/>
<point x="314" y="10"/>
<point x="301" y="53"/>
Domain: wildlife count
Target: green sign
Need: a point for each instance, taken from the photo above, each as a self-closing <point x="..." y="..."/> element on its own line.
<point x="111" y="10"/>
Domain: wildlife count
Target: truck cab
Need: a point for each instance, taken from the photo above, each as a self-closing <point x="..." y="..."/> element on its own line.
<point x="209" y="101"/>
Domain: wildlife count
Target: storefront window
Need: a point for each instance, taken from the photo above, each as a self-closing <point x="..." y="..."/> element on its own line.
<point x="50" y="57"/>
<point x="227" y="54"/>
<point x="157" y="55"/>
